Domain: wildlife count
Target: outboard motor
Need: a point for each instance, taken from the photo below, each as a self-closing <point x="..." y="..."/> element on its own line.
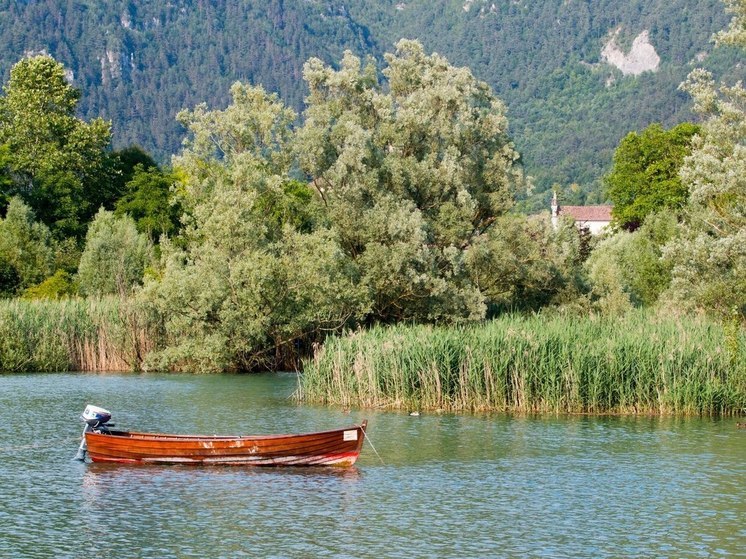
<point x="96" y="420"/>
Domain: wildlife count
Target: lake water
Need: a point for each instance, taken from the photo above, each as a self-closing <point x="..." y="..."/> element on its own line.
<point x="444" y="485"/>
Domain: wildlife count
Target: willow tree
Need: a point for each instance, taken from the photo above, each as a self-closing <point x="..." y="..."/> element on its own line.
<point x="115" y="256"/>
<point x="710" y="256"/>
<point x="363" y="213"/>
<point x="252" y="275"/>
<point x="411" y="171"/>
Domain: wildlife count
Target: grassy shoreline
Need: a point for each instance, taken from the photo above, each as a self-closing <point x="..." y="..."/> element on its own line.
<point x="76" y="334"/>
<point x="640" y="364"/>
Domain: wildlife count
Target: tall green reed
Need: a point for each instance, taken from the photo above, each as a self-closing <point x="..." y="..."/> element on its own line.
<point x="107" y="334"/>
<point x="638" y="364"/>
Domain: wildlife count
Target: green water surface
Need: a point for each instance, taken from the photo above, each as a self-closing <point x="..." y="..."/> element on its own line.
<point x="439" y="485"/>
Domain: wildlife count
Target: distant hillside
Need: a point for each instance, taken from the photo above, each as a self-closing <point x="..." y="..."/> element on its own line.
<point x="576" y="75"/>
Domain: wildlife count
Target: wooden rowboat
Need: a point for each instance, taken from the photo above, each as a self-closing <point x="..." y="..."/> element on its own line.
<point x="339" y="447"/>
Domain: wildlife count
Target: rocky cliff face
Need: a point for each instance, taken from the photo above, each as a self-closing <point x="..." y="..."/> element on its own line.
<point x="642" y="57"/>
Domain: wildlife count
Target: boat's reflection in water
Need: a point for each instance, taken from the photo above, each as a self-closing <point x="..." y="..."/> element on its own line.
<point x="123" y="481"/>
<point x="208" y="504"/>
<point x="101" y="473"/>
<point x="150" y="491"/>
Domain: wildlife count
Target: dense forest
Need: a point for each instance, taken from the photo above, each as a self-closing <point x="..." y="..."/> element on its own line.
<point x="138" y="63"/>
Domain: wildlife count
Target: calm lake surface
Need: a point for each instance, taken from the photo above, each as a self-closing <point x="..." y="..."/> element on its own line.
<point x="444" y="486"/>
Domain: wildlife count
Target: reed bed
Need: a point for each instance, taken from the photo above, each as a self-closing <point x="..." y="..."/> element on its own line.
<point x="108" y="334"/>
<point x="639" y="364"/>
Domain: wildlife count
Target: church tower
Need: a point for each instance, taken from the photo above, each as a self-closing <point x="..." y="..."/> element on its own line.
<point x="555" y="210"/>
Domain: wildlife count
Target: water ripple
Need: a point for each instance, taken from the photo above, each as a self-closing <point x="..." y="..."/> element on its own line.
<point x="449" y="486"/>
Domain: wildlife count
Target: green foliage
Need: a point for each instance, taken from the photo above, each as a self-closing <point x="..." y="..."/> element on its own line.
<point x="57" y="286"/>
<point x="148" y="201"/>
<point x="709" y="257"/>
<point x="295" y="204"/>
<point x="58" y="162"/>
<point x="251" y="278"/>
<point x="609" y="288"/>
<point x="628" y="268"/>
<point x="245" y="301"/>
<point x="6" y="180"/>
<point x="647" y="274"/>
<point x="139" y="63"/>
<point x="10" y="281"/>
<point x="266" y="263"/>
<point x="123" y="164"/>
<point x="387" y="203"/>
<point x="127" y="160"/>
<point x="410" y="174"/>
<point x="67" y="255"/>
<point x="639" y="363"/>
<point x="735" y="34"/>
<point x="402" y="216"/>
<point x="26" y="248"/>
<point x="251" y="135"/>
<point x="645" y="177"/>
<point x="525" y="263"/>
<point x="115" y="256"/>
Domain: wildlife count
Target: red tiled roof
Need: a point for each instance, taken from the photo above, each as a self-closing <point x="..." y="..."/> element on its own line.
<point x="587" y="213"/>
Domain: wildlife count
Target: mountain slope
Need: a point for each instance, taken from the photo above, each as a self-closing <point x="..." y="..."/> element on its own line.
<point x="138" y="63"/>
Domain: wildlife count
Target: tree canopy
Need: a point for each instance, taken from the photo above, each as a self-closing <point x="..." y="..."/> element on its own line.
<point x="410" y="174"/>
<point x="387" y="200"/>
<point x="140" y="62"/>
<point x="363" y="213"/>
<point x="709" y="257"/>
<point x="115" y="256"/>
<point x="57" y="162"/>
<point x="26" y="249"/>
<point x="645" y="176"/>
<point x="147" y="199"/>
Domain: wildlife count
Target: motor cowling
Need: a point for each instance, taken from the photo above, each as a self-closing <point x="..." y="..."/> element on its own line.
<point x="93" y="415"/>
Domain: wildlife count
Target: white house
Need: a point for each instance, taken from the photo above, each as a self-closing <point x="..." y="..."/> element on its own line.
<point x="593" y="218"/>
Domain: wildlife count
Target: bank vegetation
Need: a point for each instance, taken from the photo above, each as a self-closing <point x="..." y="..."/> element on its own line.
<point x="638" y="364"/>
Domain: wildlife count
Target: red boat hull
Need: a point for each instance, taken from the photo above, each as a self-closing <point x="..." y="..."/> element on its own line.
<point x="340" y="447"/>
